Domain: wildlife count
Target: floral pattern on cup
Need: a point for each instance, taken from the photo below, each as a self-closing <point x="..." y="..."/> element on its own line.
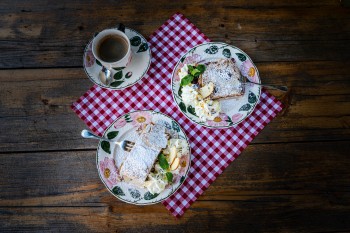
<point x="140" y="118"/>
<point x="120" y="123"/>
<point x="109" y="172"/>
<point x="220" y="120"/>
<point x="123" y="76"/>
<point x="89" y="59"/>
<point x="248" y="70"/>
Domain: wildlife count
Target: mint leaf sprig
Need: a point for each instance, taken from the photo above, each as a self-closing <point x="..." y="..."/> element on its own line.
<point x="163" y="163"/>
<point x="193" y="73"/>
<point x="169" y="176"/>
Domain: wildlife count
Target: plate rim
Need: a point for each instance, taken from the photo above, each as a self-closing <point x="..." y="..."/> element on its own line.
<point x="185" y="175"/>
<point x="131" y="84"/>
<point x="199" y="123"/>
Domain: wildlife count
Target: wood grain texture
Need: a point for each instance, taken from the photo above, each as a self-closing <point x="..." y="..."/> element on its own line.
<point x="294" y="176"/>
<point x="274" y="169"/>
<point x="204" y="216"/>
<point x="30" y="37"/>
<point x="37" y="102"/>
<point x="265" y="183"/>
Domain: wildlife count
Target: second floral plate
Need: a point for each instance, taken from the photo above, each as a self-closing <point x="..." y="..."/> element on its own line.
<point x="233" y="111"/>
<point x="110" y="157"/>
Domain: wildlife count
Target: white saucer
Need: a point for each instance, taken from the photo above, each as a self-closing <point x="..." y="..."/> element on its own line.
<point x="122" y="76"/>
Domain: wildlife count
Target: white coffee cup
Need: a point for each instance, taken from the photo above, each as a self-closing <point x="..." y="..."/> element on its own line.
<point x="123" y="59"/>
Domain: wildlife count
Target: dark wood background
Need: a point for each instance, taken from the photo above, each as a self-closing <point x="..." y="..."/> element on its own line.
<point x="294" y="176"/>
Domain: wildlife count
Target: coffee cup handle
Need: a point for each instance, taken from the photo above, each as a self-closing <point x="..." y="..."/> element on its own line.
<point x="121" y="27"/>
<point x="108" y="67"/>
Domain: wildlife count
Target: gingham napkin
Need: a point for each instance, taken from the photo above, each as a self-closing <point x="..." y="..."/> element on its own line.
<point x="212" y="150"/>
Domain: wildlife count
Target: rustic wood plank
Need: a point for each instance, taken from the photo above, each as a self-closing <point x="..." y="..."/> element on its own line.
<point x="209" y="216"/>
<point x="26" y="6"/>
<point x="285" y="33"/>
<point x="293" y="178"/>
<point x="38" y="107"/>
<point x="35" y="103"/>
<point x="271" y="188"/>
<point x="314" y="169"/>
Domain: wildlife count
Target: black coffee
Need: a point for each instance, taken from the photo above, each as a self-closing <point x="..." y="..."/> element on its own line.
<point x="112" y="48"/>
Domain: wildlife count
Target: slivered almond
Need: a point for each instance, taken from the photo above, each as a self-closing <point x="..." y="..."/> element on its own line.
<point x="175" y="164"/>
<point x="172" y="155"/>
<point x="206" y="90"/>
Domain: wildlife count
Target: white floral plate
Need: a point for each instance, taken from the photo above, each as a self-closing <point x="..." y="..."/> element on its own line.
<point x="109" y="157"/>
<point x="122" y="76"/>
<point x="233" y="111"/>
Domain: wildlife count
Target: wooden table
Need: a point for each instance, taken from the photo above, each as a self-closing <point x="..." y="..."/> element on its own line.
<point x="294" y="176"/>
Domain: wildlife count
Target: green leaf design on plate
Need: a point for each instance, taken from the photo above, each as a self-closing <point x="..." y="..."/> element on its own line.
<point x="192" y="50"/>
<point x="182" y="59"/>
<point x="118" y="68"/>
<point x="106" y="146"/>
<point x="128" y="75"/>
<point x="134" y="193"/>
<point x="245" y="107"/>
<point x="241" y="56"/>
<point x="135" y="41"/>
<point x="166" y="124"/>
<point x="128" y="118"/>
<point x="229" y="121"/>
<point x="163" y="163"/>
<point x="98" y="62"/>
<point x="182" y="179"/>
<point x="143" y="47"/>
<point x="150" y="196"/>
<point x="212" y="49"/>
<point x="112" y="134"/>
<point x="180" y="91"/>
<point x="191" y="110"/>
<point x="182" y="107"/>
<point x="118" y="75"/>
<point x="251" y="97"/>
<point x="226" y="53"/>
<point x="118" y="191"/>
<point x="169" y="176"/>
<point x="175" y="126"/>
<point x="116" y="83"/>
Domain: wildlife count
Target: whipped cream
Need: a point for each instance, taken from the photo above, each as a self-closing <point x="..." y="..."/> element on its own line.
<point x="157" y="179"/>
<point x="206" y="109"/>
<point x="156" y="183"/>
<point x="190" y="94"/>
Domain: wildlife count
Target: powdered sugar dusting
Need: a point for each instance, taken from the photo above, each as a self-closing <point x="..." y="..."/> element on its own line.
<point x="137" y="164"/>
<point x="226" y="77"/>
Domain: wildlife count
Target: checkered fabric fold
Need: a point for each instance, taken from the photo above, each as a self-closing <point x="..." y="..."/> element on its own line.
<point x="212" y="149"/>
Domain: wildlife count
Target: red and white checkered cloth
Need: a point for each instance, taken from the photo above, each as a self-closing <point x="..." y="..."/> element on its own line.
<point x="212" y="150"/>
